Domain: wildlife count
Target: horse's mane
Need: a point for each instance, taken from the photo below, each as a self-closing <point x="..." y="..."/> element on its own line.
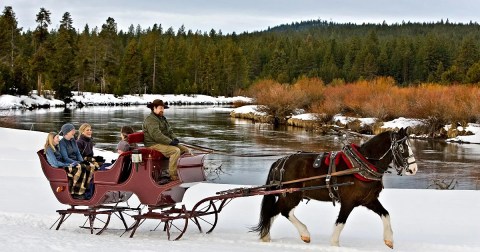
<point x="377" y="139"/>
<point x="376" y="146"/>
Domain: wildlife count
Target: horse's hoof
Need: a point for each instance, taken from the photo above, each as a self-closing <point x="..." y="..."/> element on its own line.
<point x="306" y="239"/>
<point x="389" y="243"/>
<point x="335" y="244"/>
<point x="265" y="239"/>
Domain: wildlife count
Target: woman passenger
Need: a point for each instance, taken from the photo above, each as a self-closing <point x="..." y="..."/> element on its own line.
<point x="85" y="145"/>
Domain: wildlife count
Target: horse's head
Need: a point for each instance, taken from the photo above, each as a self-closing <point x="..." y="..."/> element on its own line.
<point x="403" y="158"/>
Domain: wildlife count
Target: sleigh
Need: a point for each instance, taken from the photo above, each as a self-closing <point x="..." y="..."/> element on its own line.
<point x="136" y="172"/>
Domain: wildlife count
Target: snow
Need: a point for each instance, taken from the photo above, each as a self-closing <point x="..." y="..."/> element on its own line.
<point x="422" y="220"/>
<point x="253" y="109"/>
<point x="472" y="127"/>
<point x="402" y="122"/>
<point x="88" y="98"/>
<point x="306" y="117"/>
<point x="10" y="102"/>
<point x="347" y="119"/>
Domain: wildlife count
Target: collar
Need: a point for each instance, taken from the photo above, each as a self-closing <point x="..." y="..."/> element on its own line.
<point x="86" y="139"/>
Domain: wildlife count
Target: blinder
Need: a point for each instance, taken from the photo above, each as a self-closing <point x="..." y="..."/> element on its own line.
<point x="400" y="162"/>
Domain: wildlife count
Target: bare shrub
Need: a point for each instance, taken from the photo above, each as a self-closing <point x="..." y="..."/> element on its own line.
<point x="463" y="104"/>
<point x="445" y="104"/>
<point x="279" y="100"/>
<point x="379" y="98"/>
<point x="313" y="88"/>
<point x="357" y="126"/>
<point x="384" y="100"/>
<point x="333" y="101"/>
<point x="239" y="103"/>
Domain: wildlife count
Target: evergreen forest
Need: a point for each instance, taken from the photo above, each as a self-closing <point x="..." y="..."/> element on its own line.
<point x="162" y="60"/>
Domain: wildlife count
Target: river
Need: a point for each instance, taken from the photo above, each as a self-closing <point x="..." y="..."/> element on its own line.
<point x="213" y="128"/>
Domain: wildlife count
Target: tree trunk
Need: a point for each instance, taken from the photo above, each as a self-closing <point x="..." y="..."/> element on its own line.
<point x="154" y="68"/>
<point x="39" y="84"/>
<point x="11" y="42"/>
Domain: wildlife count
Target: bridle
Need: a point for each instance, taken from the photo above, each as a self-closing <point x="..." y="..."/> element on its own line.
<point x="397" y="149"/>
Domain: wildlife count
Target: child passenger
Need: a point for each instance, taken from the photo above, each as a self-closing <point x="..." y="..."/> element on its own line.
<point x="123" y="145"/>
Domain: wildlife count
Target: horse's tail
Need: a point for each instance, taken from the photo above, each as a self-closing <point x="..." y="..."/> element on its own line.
<point x="267" y="212"/>
<point x="268" y="209"/>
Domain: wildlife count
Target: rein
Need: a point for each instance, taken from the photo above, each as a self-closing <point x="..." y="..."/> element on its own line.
<point x="224" y="153"/>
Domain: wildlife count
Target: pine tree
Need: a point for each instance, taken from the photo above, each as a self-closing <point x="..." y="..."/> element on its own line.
<point x="42" y="47"/>
<point x="130" y="72"/>
<point x="9" y="51"/>
<point x="62" y="70"/>
<point x="109" y="56"/>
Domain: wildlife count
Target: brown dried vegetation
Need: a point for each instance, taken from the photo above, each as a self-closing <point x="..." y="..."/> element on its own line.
<point x="380" y="98"/>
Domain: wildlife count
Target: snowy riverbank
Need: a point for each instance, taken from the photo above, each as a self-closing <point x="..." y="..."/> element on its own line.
<point x="93" y="99"/>
<point x="398" y="123"/>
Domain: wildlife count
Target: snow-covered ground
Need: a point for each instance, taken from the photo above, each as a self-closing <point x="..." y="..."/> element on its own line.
<point x="422" y="220"/>
<point x="87" y="98"/>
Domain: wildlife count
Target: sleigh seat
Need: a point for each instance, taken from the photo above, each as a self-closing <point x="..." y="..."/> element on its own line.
<point x="190" y="168"/>
<point x="59" y="183"/>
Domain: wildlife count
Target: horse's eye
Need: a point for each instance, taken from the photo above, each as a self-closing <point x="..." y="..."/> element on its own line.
<point x="400" y="148"/>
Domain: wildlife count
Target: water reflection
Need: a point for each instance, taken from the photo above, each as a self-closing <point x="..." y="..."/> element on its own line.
<point x="206" y="126"/>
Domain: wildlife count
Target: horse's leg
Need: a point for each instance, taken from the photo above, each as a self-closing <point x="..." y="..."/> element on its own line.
<point x="266" y="237"/>
<point x="287" y="205"/>
<point x="345" y="210"/>
<point x="268" y="212"/>
<point x="377" y="207"/>
<point x="301" y="228"/>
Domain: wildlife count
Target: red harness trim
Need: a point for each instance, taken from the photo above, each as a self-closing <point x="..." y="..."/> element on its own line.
<point x="342" y="156"/>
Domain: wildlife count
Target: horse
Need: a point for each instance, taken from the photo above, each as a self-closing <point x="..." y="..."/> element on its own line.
<point x="359" y="168"/>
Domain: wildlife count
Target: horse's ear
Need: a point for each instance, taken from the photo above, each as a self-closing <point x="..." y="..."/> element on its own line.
<point x="407" y="131"/>
<point x="404" y="131"/>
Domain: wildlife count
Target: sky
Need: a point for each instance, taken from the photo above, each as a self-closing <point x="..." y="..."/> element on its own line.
<point x="422" y="220"/>
<point x="240" y="16"/>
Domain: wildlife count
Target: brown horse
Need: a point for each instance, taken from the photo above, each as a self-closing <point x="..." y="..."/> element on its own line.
<point x="361" y="167"/>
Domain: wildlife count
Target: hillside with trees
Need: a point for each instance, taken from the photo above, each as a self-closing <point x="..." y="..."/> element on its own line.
<point x="157" y="59"/>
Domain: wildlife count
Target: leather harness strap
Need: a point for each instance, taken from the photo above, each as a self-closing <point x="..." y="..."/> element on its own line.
<point x="366" y="171"/>
<point x="334" y="195"/>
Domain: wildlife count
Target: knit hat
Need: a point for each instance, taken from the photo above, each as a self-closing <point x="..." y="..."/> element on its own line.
<point x="123" y="146"/>
<point x="67" y="127"/>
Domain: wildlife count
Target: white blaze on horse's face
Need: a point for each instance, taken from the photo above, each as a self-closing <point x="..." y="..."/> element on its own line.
<point x="412" y="167"/>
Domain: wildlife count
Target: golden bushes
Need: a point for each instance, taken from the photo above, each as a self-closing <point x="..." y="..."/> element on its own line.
<point x="380" y="98"/>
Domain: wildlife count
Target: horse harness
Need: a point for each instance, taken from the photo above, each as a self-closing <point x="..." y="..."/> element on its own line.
<point x="354" y="160"/>
<point x="332" y="168"/>
<point x="358" y="165"/>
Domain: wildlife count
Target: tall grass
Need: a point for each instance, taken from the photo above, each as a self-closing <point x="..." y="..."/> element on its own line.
<point x="380" y="98"/>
